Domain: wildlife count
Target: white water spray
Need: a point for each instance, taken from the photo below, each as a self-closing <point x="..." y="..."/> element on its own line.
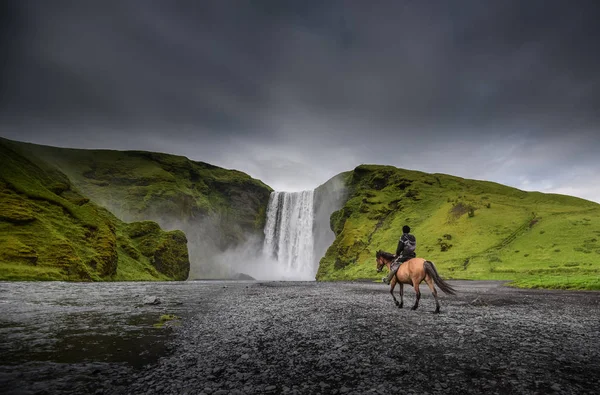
<point x="289" y="234"/>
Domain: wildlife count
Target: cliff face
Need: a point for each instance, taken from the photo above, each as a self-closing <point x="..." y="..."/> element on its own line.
<point x="49" y="230"/>
<point x="328" y="198"/>
<point x="217" y="209"/>
<point x="470" y="229"/>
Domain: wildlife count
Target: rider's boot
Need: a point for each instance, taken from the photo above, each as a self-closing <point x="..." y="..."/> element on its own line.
<point x="389" y="277"/>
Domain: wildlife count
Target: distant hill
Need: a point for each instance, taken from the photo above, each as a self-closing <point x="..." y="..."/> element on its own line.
<point x="470" y="229"/>
<point x="49" y="230"/>
<point x="216" y="208"/>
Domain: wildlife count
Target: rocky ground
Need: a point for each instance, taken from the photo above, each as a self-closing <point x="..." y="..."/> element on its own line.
<point x="309" y="338"/>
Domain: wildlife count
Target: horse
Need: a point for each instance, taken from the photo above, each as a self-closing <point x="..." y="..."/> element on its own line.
<point x="413" y="272"/>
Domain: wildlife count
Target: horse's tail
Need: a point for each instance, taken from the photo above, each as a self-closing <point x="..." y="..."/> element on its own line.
<point x="444" y="286"/>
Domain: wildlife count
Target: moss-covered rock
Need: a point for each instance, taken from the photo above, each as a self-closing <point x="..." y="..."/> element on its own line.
<point x="167" y="251"/>
<point x="13" y="209"/>
<point x="14" y="250"/>
<point x="171" y="256"/>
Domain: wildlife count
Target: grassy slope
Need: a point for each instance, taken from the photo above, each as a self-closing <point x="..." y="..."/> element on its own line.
<point x="141" y="183"/>
<point x="215" y="207"/>
<point x="534" y="239"/>
<point x="50" y="231"/>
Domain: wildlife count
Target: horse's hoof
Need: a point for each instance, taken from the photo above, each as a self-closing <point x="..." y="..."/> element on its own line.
<point x="400" y="306"/>
<point x="437" y="311"/>
<point x="413" y="308"/>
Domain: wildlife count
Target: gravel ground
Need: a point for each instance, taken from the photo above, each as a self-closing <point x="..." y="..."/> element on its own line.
<point x="303" y="338"/>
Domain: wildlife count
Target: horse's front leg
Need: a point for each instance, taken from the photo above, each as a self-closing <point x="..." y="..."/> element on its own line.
<point x="392" y="286"/>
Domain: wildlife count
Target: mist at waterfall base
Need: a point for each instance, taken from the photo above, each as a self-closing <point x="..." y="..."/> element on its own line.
<point x="255" y="262"/>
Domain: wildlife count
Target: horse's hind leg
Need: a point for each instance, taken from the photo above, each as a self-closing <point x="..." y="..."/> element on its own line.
<point x="416" y="285"/>
<point x="429" y="281"/>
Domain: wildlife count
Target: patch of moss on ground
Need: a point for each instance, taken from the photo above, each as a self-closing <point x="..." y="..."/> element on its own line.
<point x="171" y="319"/>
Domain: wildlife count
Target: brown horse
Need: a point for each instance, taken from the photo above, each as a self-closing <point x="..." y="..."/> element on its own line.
<point x="413" y="272"/>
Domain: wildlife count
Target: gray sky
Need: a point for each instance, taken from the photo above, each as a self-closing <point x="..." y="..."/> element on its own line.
<point x="294" y="92"/>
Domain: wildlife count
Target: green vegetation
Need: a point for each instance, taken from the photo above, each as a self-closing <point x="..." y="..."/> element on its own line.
<point x="216" y="208"/>
<point x="470" y="229"/>
<point x="138" y="185"/>
<point x="51" y="231"/>
<point x="165" y="318"/>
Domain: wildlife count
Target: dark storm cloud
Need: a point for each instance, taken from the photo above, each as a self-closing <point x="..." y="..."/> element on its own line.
<point x="296" y="91"/>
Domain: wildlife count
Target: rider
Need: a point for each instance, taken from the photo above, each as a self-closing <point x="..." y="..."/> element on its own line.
<point x="405" y="251"/>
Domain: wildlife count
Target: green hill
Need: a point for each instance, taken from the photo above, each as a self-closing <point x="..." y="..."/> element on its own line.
<point x="216" y="208"/>
<point x="49" y="230"/>
<point x="470" y="229"/>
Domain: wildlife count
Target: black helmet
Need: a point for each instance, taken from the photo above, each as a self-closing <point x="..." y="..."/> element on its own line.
<point x="406" y="229"/>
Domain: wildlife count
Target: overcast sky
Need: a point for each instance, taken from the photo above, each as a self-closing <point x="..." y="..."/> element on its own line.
<point x="294" y="92"/>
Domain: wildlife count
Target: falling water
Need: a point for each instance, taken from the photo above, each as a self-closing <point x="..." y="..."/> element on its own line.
<point x="289" y="234"/>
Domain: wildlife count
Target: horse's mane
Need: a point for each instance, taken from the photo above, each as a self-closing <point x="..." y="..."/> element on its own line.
<point x="385" y="255"/>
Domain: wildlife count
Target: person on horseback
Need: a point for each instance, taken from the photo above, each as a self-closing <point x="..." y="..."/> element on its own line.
<point x="405" y="251"/>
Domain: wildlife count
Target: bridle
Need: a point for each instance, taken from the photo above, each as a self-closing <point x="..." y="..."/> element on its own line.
<point x="380" y="264"/>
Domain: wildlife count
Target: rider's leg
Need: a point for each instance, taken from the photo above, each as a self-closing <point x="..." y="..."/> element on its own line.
<point x="393" y="269"/>
<point x="389" y="276"/>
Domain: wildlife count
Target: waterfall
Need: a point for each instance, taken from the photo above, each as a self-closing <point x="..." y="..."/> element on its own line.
<point x="289" y="234"/>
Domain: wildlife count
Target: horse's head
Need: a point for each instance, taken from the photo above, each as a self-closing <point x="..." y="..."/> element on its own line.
<point x="381" y="261"/>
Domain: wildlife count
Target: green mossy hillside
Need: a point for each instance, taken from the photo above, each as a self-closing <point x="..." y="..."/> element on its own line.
<point x="216" y="208"/>
<point x="470" y="229"/>
<point x="143" y="185"/>
<point x="50" y="231"/>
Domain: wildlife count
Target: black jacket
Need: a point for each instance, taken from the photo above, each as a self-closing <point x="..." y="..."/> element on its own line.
<point x="406" y="245"/>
